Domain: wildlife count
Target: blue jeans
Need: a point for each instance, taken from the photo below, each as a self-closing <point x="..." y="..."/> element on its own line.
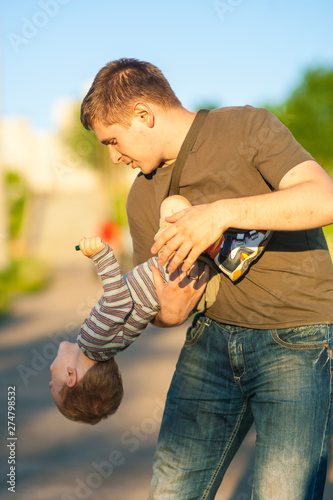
<point x="228" y="377"/>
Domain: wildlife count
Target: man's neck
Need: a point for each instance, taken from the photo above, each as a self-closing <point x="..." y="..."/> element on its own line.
<point x="175" y="126"/>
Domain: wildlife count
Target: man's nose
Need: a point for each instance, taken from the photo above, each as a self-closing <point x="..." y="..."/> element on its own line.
<point x="114" y="155"/>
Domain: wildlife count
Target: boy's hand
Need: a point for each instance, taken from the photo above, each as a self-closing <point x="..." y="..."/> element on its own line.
<point x="91" y="246"/>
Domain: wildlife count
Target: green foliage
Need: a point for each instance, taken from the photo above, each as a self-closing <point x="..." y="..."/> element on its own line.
<point x="328" y="232"/>
<point x="22" y="276"/>
<point x="84" y="142"/>
<point x="208" y="105"/>
<point x="17" y="195"/>
<point x="85" y="145"/>
<point x="119" y="208"/>
<point x="308" y="113"/>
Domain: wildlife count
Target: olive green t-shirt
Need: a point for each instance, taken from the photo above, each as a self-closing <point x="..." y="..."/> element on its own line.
<point x="243" y="151"/>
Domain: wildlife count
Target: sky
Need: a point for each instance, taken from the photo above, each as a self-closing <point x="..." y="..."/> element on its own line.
<point x="223" y="53"/>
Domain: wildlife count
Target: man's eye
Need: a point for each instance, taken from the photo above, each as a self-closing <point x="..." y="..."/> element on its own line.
<point x="113" y="142"/>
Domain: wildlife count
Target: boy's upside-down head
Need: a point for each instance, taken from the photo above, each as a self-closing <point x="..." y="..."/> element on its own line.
<point x="84" y="390"/>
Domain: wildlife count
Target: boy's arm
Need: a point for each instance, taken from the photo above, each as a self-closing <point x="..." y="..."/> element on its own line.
<point x="146" y="305"/>
<point x="102" y="333"/>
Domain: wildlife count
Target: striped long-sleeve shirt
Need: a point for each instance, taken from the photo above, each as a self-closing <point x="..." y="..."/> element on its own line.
<point x="126" y="307"/>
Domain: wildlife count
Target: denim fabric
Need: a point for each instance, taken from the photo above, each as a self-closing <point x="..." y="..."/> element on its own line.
<point x="226" y="378"/>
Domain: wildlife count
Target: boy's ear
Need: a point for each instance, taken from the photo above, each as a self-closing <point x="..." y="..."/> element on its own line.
<point x="71" y="376"/>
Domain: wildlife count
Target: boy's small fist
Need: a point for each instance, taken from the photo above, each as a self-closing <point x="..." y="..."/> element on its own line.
<point x="91" y="246"/>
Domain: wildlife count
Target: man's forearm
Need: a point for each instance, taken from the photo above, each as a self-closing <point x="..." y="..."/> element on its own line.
<point x="304" y="201"/>
<point x="292" y="209"/>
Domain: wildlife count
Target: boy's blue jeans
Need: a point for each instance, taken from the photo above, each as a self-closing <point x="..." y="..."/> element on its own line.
<point x="228" y="377"/>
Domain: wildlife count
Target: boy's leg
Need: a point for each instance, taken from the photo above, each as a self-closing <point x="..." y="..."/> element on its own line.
<point x="233" y="252"/>
<point x="170" y="206"/>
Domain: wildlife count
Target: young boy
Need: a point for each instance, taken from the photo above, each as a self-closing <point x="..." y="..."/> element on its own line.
<point x="85" y="381"/>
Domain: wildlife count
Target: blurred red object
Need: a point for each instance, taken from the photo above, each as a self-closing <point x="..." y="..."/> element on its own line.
<point x="109" y="232"/>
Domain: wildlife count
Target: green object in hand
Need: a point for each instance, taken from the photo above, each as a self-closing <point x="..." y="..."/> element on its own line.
<point x="77" y="248"/>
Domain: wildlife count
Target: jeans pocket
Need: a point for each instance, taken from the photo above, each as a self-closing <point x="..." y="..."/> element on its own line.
<point x="195" y="330"/>
<point x="303" y="337"/>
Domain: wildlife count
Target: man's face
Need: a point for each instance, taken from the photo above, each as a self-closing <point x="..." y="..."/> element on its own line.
<point x="59" y="368"/>
<point x="135" y="145"/>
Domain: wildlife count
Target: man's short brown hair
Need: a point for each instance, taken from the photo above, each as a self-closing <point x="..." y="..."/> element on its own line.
<point x="118" y="85"/>
<point x="97" y="395"/>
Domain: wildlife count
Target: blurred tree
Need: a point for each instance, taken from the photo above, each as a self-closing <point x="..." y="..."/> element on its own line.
<point x="4" y="237"/>
<point x="114" y="180"/>
<point x="19" y="272"/>
<point x="308" y="113"/>
<point x="84" y="143"/>
<point x="17" y="195"/>
<point x="208" y="105"/>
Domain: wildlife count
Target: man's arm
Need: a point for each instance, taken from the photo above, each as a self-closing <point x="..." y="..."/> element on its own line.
<point x="304" y="200"/>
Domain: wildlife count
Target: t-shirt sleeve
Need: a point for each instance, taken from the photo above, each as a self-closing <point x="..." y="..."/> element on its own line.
<point x="270" y="147"/>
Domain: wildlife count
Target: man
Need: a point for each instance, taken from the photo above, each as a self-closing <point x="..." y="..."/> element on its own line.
<point x="263" y="352"/>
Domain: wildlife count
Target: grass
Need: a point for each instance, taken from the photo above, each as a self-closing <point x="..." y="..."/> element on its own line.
<point x="21" y="276"/>
<point x="328" y="231"/>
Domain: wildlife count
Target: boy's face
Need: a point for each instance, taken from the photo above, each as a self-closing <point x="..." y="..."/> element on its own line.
<point x="61" y="369"/>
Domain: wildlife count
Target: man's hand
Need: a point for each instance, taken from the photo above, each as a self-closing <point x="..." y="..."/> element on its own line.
<point x="91" y="246"/>
<point x="179" y="297"/>
<point x="192" y="231"/>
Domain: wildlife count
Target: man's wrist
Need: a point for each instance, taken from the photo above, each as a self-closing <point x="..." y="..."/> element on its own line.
<point x="156" y="321"/>
<point x="160" y="323"/>
<point x="224" y="213"/>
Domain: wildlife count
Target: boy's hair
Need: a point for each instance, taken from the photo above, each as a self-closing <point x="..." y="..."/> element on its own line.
<point x="118" y="85"/>
<point x="97" y="395"/>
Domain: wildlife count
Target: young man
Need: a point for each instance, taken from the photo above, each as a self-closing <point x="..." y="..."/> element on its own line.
<point x="263" y="351"/>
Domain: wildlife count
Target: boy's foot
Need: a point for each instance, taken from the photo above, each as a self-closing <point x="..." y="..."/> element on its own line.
<point x="239" y="250"/>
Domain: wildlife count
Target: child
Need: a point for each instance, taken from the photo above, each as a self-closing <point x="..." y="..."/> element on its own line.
<point x="85" y="381"/>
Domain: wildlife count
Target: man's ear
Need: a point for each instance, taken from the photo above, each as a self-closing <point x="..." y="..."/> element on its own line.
<point x="71" y="376"/>
<point x="144" y="113"/>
